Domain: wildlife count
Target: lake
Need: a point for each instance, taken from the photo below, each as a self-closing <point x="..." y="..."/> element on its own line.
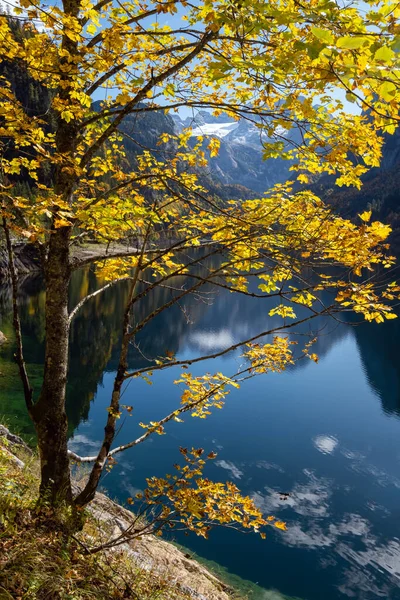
<point x="328" y="434"/>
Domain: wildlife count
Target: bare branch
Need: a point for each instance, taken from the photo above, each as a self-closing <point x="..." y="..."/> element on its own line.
<point x="159" y="252"/>
<point x="81" y="459"/>
<point x="193" y="361"/>
<point x="153" y="82"/>
<point x="93" y="295"/>
<point x="160" y="309"/>
<point x="105" y="77"/>
<point x="188" y="407"/>
<point x="87" y="494"/>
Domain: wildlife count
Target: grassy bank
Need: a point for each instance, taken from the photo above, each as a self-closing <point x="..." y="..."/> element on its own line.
<point x="42" y="560"/>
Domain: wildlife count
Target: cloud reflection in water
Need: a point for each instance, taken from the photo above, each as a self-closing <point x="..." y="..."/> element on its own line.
<point x="369" y="563"/>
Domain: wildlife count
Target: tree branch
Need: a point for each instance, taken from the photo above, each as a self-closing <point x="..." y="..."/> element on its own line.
<point x="97" y="7"/>
<point x="181" y="245"/>
<point x="154" y="81"/>
<point x="98" y="38"/>
<point x="93" y="295"/>
<point x="87" y="494"/>
<point x="104" y="78"/>
<point x="189" y="362"/>
<point x="193" y="361"/>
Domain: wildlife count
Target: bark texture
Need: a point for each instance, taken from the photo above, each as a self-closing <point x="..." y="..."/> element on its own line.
<point x="89" y="491"/>
<point x="49" y="412"/>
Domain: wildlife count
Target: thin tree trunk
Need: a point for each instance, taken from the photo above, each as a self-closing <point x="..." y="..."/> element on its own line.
<point x="19" y="355"/>
<point x="89" y="491"/>
<point x="49" y="412"/>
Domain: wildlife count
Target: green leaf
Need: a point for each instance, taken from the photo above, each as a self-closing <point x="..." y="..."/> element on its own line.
<point x="351" y="43"/>
<point x="384" y="54"/>
<point x="323" y="35"/>
<point x="387" y="90"/>
<point x="396" y="44"/>
<point x="313" y="50"/>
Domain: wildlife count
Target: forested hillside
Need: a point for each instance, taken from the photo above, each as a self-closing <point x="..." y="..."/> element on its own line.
<point x="380" y="191"/>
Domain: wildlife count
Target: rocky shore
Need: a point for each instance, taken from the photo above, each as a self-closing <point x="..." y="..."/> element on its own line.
<point x="150" y="554"/>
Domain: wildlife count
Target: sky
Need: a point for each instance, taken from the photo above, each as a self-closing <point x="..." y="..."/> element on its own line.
<point x="175" y="21"/>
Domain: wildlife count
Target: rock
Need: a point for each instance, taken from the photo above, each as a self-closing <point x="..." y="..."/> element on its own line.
<point x="26" y="260"/>
<point x="3" y="338"/>
<point x="13" y="439"/>
<point x="18" y="462"/>
<point x="7" y="447"/>
<point x="156" y="555"/>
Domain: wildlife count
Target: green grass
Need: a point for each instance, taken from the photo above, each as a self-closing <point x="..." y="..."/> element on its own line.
<point x="40" y="560"/>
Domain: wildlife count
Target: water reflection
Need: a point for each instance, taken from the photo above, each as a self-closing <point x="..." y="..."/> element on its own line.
<point x="316" y="433"/>
<point x="366" y="561"/>
<point x="379" y="350"/>
<point x="195" y="326"/>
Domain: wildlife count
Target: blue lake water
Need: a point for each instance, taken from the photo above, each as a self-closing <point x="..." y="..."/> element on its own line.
<point x="328" y="434"/>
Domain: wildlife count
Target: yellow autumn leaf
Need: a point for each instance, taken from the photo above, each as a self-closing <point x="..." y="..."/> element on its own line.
<point x="366" y="216"/>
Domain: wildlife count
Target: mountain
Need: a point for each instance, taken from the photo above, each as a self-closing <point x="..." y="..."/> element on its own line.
<point x="380" y="191"/>
<point x="238" y="171"/>
<point x="239" y="160"/>
<point x="142" y="130"/>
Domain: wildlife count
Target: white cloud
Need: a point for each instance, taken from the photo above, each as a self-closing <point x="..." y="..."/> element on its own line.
<point x="212" y="340"/>
<point x="229" y="466"/>
<point x="79" y="440"/>
<point x="312" y="538"/>
<point x="309" y="499"/>
<point x="325" y="443"/>
<point x="263" y="464"/>
<point x="352" y="524"/>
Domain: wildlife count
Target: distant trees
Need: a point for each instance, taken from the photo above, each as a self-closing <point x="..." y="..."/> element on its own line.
<point x="277" y="64"/>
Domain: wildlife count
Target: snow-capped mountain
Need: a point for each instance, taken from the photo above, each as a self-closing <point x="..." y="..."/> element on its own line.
<point x="240" y="156"/>
<point x="220" y="130"/>
<point x="235" y="131"/>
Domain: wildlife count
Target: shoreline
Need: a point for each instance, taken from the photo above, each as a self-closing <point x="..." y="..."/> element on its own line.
<point x="186" y="575"/>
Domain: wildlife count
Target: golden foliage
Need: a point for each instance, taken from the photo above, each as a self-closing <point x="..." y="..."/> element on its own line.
<point x="189" y="500"/>
<point x="277" y="64"/>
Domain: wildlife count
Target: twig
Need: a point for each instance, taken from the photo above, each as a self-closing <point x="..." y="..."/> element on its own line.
<point x="93" y="295"/>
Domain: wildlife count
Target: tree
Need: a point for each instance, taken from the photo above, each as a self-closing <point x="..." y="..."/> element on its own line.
<point x="277" y="64"/>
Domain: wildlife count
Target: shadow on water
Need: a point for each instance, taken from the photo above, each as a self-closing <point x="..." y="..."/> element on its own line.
<point x="379" y="349"/>
<point x="200" y="325"/>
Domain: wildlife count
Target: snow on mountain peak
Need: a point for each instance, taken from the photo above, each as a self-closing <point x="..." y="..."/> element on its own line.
<point x="218" y="129"/>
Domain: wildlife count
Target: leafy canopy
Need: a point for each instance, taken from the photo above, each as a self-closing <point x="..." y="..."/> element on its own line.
<point x="278" y="64"/>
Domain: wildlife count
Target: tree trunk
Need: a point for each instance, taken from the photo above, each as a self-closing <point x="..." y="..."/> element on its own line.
<point x="49" y="412"/>
<point x="89" y="491"/>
